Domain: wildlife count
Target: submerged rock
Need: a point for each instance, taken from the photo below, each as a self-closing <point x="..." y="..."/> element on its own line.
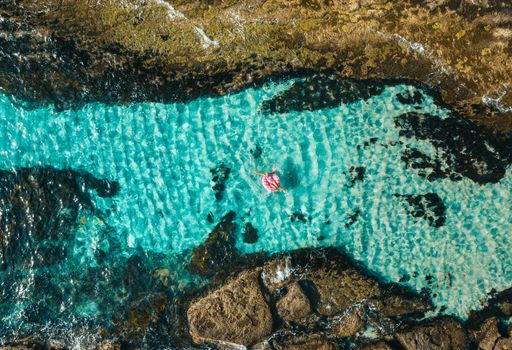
<point x="429" y="207"/>
<point x="250" y="233"/>
<point x="220" y="175"/>
<point x="355" y="174"/>
<point x="462" y="148"/>
<point x="40" y="207"/>
<point x="321" y="91"/>
<point x="218" y="251"/>
<point x="235" y="313"/>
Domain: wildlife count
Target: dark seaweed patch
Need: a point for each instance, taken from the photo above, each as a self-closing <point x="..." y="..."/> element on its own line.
<point x="428" y="206"/>
<point x="220" y="174"/>
<point x="355" y="174"/>
<point x="322" y="91"/>
<point x="299" y="216"/>
<point x="256" y="151"/>
<point x="464" y="147"/>
<point x="410" y="98"/>
<point x="250" y="233"/>
<point x="352" y="218"/>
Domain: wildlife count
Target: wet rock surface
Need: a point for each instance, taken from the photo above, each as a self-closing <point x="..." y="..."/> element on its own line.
<point x="313" y="297"/>
<point x="429" y="207"/>
<point x="235" y="313"/>
<point x="444" y="333"/>
<point x="40" y="207"/>
<point x="294" y="304"/>
<point x="462" y="148"/>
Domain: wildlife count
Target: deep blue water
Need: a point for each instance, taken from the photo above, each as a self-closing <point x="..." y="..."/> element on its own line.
<point x="161" y="155"/>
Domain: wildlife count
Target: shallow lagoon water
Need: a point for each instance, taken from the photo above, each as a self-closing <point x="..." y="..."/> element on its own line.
<point x="162" y="154"/>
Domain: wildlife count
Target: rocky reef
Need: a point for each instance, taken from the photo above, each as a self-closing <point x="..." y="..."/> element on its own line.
<point x="69" y="53"/>
<point x="39" y="207"/>
<point x="320" y="299"/>
<point x="303" y="299"/>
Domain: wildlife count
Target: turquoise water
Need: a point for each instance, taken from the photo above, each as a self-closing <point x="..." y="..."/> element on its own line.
<point x="162" y="154"/>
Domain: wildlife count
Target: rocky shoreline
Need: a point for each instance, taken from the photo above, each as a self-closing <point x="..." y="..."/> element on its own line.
<point x="76" y="52"/>
<point x="304" y="299"/>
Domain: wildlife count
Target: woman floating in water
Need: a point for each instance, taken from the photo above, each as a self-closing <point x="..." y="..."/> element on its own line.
<point x="270" y="181"/>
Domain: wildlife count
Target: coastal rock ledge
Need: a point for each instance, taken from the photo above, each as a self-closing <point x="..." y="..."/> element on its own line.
<point x="320" y="299"/>
<point x="73" y="52"/>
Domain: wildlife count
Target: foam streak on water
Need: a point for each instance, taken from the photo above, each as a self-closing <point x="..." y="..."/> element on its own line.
<point x="162" y="156"/>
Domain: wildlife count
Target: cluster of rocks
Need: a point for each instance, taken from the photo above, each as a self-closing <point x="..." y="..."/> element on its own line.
<point x="318" y="299"/>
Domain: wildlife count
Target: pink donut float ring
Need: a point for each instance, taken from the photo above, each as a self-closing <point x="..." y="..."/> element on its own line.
<point x="270" y="181"/>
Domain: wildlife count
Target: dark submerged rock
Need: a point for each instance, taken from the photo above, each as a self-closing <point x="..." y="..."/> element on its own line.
<point x="463" y="148"/>
<point x="256" y="151"/>
<point x="52" y="199"/>
<point x="410" y="98"/>
<point x="429" y="207"/>
<point x="355" y="174"/>
<point x="218" y="251"/>
<point x="298" y="216"/>
<point x="322" y="91"/>
<point x="352" y="218"/>
<point x="250" y="233"/>
<point x="220" y="175"/>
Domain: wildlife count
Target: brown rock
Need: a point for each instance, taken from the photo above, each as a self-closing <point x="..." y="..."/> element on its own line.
<point x="351" y="323"/>
<point x="487" y="334"/>
<point x="315" y="342"/>
<point x="235" y="313"/>
<point x="109" y="345"/>
<point x="438" y="334"/>
<point x="294" y="305"/>
<point x="339" y="289"/>
<point x="506" y="308"/>
<point x="261" y="346"/>
<point x="503" y="344"/>
<point x="398" y="305"/>
<point x="381" y="345"/>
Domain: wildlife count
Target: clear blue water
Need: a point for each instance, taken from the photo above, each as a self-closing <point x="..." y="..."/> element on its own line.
<point x="162" y="155"/>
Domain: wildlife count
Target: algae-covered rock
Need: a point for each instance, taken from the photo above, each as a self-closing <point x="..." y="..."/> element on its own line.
<point x="340" y="288"/>
<point x="294" y="304"/>
<point x="399" y="303"/>
<point x="118" y="51"/>
<point x="218" y="251"/>
<point x="487" y="334"/>
<point x="436" y="334"/>
<point x="312" y="342"/>
<point x="235" y="313"/>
